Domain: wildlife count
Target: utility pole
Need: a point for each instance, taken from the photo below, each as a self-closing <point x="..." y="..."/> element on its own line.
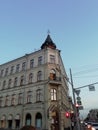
<point x="74" y="101"/>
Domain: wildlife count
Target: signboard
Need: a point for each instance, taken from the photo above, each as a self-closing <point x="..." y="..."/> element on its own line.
<point x="91" y="88"/>
<point x="81" y="107"/>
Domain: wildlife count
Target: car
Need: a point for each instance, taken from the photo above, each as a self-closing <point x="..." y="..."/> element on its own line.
<point x="89" y="124"/>
<point x="94" y="126"/>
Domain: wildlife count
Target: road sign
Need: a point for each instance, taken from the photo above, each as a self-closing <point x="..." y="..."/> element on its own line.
<point x="77" y="92"/>
<point x="80" y="107"/>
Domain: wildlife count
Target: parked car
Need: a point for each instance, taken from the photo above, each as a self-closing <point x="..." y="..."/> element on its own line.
<point x="94" y="126"/>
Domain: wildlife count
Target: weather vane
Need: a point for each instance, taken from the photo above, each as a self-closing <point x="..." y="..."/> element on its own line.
<point x="48" y="32"/>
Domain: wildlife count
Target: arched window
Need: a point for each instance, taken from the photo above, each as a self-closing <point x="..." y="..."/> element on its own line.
<point x="15" y="81"/>
<point x="22" y="80"/>
<point x="13" y="100"/>
<point x="53" y="94"/>
<point x="28" y="119"/>
<point x="4" y="84"/>
<point x="30" y="77"/>
<point x="7" y="100"/>
<point x="20" y="98"/>
<point x="9" y="83"/>
<point x="38" y="95"/>
<point x="38" y="120"/>
<point x="39" y="75"/>
<point x="1" y="101"/>
<point x="29" y="97"/>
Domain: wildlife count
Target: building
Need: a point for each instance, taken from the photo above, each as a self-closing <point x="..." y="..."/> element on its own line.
<point x="34" y="90"/>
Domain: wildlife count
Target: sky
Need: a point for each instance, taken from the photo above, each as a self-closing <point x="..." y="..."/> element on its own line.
<point x="73" y="26"/>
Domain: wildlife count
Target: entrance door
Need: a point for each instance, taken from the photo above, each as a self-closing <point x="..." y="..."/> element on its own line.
<point x="55" y="121"/>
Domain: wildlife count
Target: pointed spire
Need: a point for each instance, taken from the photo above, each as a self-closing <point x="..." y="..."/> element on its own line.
<point x="48" y="43"/>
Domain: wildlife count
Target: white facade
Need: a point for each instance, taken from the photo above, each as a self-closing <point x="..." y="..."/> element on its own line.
<point x="33" y="90"/>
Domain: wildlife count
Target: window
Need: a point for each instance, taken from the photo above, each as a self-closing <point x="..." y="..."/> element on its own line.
<point x="24" y="66"/>
<point x="40" y="60"/>
<point x="38" y="120"/>
<point x="32" y="63"/>
<point x="13" y="100"/>
<point x="15" y="81"/>
<point x="0" y="101"/>
<point x="38" y="95"/>
<point x="53" y="94"/>
<point x="17" y="67"/>
<point x="7" y="101"/>
<point x="30" y="77"/>
<point x="2" y="71"/>
<point x="22" y="80"/>
<point x="12" y="69"/>
<point x="9" y="83"/>
<point x="52" y="59"/>
<point x="29" y="97"/>
<point x="39" y="75"/>
<point x="4" y="84"/>
<point x="28" y="119"/>
<point x="20" y="98"/>
<point x="6" y="71"/>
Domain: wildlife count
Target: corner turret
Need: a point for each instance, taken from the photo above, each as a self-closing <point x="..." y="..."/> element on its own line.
<point x="48" y="43"/>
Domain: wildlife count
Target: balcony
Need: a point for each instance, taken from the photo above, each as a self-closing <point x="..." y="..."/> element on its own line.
<point x="55" y="80"/>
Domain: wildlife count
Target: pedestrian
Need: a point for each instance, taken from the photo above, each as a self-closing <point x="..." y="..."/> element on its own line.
<point x="28" y="128"/>
<point x="72" y="125"/>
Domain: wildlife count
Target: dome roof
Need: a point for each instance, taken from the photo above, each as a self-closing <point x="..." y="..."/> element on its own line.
<point x="48" y="43"/>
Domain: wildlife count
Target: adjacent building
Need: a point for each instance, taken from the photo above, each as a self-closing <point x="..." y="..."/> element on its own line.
<point x="34" y="90"/>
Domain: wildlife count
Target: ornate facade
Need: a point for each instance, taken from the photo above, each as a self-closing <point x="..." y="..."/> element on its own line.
<point x="34" y="90"/>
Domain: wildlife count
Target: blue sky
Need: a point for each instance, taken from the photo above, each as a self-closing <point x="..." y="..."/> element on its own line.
<point x="73" y="26"/>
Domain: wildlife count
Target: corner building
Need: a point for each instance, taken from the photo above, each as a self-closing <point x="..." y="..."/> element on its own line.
<point x="34" y="90"/>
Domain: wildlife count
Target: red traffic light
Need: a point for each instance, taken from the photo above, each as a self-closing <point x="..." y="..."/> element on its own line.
<point x="67" y="114"/>
<point x="77" y="105"/>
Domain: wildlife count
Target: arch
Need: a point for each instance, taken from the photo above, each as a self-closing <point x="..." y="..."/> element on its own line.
<point x="28" y="119"/>
<point x="38" y="120"/>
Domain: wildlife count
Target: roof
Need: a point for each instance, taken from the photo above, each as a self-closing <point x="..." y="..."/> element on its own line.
<point x="48" y="43"/>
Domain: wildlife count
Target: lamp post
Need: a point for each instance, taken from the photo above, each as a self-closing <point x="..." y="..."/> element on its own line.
<point x="74" y="100"/>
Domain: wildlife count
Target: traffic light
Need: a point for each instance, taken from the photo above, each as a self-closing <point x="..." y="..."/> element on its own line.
<point x="67" y="114"/>
<point x="79" y="100"/>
